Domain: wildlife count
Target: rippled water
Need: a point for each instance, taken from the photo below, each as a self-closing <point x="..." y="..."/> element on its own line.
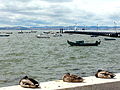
<point x="48" y="59"/>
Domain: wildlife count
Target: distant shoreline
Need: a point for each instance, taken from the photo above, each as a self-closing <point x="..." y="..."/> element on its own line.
<point x="63" y="27"/>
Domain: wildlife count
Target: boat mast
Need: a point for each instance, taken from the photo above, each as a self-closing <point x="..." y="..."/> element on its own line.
<point x="115" y="26"/>
<point x="97" y="27"/>
<point x="75" y="27"/>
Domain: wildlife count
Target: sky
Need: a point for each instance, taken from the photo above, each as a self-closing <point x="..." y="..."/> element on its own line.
<point x="59" y="12"/>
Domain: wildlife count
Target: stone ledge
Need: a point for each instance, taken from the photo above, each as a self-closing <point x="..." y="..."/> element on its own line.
<point x="90" y="83"/>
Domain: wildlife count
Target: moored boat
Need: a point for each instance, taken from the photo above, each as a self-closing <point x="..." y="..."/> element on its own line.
<point x="57" y="35"/>
<point x="4" y="35"/>
<point x="42" y="36"/>
<point x="109" y="39"/>
<point x="82" y="43"/>
<point x="94" y="35"/>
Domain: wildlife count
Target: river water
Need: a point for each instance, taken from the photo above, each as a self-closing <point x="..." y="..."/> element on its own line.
<point x="46" y="59"/>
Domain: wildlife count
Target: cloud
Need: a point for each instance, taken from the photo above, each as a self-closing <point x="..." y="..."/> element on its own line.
<point x="115" y="17"/>
<point x="58" y="1"/>
<point x="59" y="12"/>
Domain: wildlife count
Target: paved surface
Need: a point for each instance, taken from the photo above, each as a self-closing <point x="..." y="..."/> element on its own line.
<point x="90" y="83"/>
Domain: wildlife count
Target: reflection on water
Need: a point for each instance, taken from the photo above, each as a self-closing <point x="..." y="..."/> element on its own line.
<point x="48" y="59"/>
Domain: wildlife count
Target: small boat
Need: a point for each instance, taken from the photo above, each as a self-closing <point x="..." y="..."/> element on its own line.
<point x="42" y="36"/>
<point x="109" y="39"/>
<point x="21" y="32"/>
<point x="94" y="35"/>
<point x="4" y="35"/>
<point x="9" y="32"/>
<point x="57" y="35"/>
<point x="82" y="43"/>
<point x="33" y="31"/>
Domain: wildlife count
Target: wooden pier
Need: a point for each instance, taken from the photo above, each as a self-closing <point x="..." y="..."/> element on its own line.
<point x="108" y="33"/>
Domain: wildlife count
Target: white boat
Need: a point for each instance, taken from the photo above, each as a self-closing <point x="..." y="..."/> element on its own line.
<point x="42" y="36"/>
<point x="57" y="35"/>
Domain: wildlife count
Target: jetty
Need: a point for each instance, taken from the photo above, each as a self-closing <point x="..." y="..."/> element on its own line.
<point x="109" y="33"/>
<point x="90" y="83"/>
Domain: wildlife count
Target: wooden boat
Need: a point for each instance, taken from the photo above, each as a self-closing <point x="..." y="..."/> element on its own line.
<point x="82" y="43"/>
<point x="4" y="35"/>
<point x="109" y="39"/>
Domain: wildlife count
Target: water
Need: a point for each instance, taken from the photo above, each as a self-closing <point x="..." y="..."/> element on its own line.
<point x="48" y="59"/>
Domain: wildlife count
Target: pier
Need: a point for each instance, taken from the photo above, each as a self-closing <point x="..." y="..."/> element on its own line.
<point x="90" y="83"/>
<point x="108" y="33"/>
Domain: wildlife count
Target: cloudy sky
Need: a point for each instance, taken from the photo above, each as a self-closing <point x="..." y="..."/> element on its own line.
<point x="59" y="12"/>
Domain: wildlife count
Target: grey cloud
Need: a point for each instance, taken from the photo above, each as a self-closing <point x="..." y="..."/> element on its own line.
<point x="114" y="17"/>
<point x="56" y="13"/>
<point x="59" y="11"/>
<point x="51" y="11"/>
<point x="28" y="21"/>
<point x="5" y="20"/>
<point x="13" y="1"/>
<point x="23" y="0"/>
<point x="57" y="1"/>
<point x="25" y="10"/>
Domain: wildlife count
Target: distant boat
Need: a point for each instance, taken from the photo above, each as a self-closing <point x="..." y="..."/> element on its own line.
<point x="42" y="36"/>
<point x="21" y="32"/>
<point x="9" y="32"/>
<point x="109" y="39"/>
<point x="33" y="31"/>
<point x="94" y="35"/>
<point x="57" y="35"/>
<point x="4" y="35"/>
<point x="82" y="43"/>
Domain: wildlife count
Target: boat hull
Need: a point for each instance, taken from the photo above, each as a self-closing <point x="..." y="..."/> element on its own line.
<point x="83" y="44"/>
<point x="109" y="39"/>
